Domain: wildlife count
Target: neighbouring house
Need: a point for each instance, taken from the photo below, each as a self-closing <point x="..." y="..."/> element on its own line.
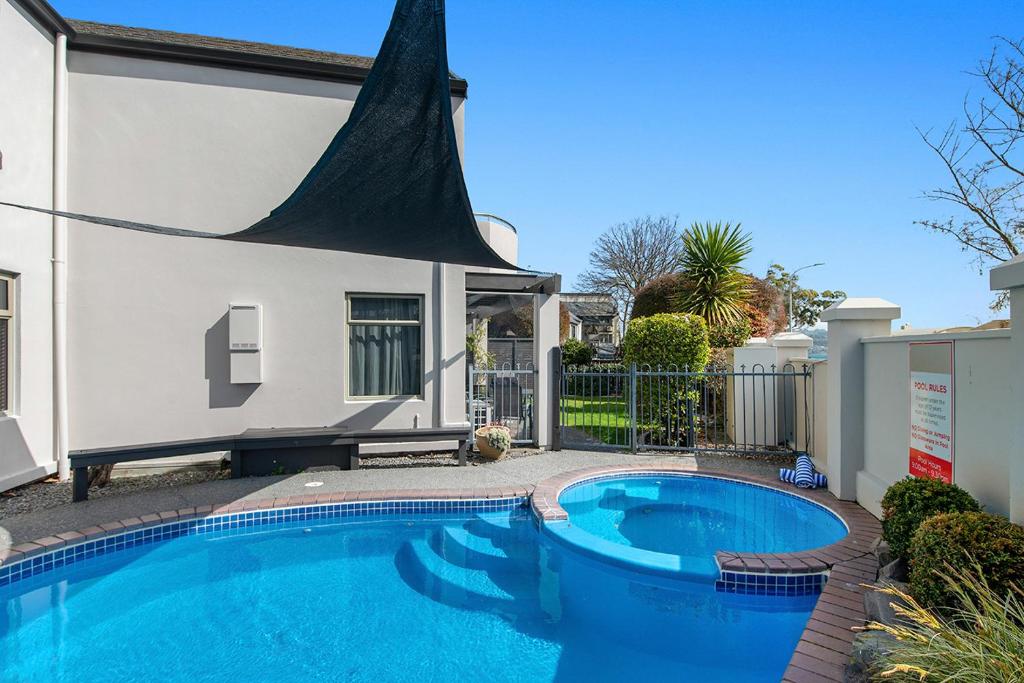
<point x="111" y="337"/>
<point x="597" y="321"/>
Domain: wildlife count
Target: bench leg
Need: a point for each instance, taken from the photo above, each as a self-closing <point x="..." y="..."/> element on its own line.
<point x="463" y="447"/>
<point x="80" y="484"/>
<point x="353" y="457"/>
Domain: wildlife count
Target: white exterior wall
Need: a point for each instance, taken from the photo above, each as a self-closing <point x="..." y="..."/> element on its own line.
<point x="215" y="149"/>
<point x="981" y="406"/>
<point x="501" y="238"/>
<point x="26" y="141"/>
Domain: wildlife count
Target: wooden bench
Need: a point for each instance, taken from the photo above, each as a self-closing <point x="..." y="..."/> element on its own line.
<point x="263" y="451"/>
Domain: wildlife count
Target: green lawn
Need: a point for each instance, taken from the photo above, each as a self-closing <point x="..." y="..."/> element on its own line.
<point x="605" y="418"/>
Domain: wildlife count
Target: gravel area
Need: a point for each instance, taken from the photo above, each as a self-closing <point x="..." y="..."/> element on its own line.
<point x="51" y="493"/>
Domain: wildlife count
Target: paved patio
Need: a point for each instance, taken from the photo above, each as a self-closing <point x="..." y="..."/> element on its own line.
<point x="523" y="471"/>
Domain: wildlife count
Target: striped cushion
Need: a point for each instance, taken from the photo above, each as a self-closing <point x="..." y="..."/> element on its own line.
<point x="787" y="475"/>
<point x="804" y="472"/>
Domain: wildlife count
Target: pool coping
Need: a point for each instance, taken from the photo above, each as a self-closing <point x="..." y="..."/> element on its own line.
<point x="825" y="645"/>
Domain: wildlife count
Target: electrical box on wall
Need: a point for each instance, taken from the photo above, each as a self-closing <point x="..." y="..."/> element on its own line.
<point x="245" y="343"/>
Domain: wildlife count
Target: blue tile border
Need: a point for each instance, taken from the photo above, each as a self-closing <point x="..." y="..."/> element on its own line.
<point x="227" y="522"/>
<point x="771" y="584"/>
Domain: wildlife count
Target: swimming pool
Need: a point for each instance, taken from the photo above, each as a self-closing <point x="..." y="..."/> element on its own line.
<point x="678" y="522"/>
<point x="388" y="593"/>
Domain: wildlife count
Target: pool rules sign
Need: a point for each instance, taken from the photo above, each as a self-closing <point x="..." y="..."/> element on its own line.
<point x="931" y="410"/>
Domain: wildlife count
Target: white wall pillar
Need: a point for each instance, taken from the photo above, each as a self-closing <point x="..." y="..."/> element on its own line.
<point x="848" y="322"/>
<point x="545" y="340"/>
<point x="1010" y="276"/>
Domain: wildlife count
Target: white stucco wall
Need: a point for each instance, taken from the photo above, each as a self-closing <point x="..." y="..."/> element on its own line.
<point x="501" y="238"/>
<point x="982" y="448"/>
<point x="26" y="141"/>
<point x="215" y="149"/>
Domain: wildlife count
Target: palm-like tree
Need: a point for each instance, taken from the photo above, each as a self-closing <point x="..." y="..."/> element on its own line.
<point x="716" y="287"/>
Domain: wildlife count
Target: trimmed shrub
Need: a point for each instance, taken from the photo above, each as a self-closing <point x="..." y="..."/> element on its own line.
<point x="665" y="339"/>
<point x="957" y="543"/>
<point x="909" y="502"/>
<point x="657" y="296"/>
<point x="669" y="341"/>
<point x="576" y="352"/>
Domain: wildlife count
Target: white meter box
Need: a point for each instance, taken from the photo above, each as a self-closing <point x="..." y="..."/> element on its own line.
<point x="245" y="322"/>
<point x="245" y="343"/>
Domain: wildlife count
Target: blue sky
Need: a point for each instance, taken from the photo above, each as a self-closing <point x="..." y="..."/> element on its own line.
<point x="796" y="119"/>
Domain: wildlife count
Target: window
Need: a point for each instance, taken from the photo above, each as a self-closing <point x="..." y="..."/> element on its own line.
<point x="385" y="346"/>
<point x="6" y="342"/>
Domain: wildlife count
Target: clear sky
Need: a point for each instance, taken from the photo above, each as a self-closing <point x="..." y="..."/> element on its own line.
<point x="796" y="119"/>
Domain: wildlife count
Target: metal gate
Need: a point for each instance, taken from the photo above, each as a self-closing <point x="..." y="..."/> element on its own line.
<point x="503" y="395"/>
<point x="756" y="410"/>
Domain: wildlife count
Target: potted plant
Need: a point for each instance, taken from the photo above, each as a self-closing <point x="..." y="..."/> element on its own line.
<point x="493" y="441"/>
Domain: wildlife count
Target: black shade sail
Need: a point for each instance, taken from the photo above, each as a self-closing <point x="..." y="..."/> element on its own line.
<point x="390" y="183"/>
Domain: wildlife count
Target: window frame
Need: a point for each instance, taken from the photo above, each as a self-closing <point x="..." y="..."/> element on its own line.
<point x="9" y="314"/>
<point x="346" y="357"/>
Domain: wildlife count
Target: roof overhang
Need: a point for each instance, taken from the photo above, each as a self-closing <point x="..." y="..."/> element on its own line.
<point x="141" y="48"/>
<point x="514" y="283"/>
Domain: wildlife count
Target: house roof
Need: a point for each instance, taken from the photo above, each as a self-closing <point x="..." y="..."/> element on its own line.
<point x="244" y="55"/>
<point x="247" y="47"/>
<point x="592" y="311"/>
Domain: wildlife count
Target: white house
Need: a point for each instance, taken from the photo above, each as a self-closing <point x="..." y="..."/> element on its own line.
<point x="112" y="337"/>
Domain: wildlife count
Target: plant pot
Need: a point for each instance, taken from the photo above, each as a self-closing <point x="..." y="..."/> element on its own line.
<point x="485" y="449"/>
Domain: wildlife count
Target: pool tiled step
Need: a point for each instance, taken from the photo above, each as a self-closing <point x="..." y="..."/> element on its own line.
<point x="460" y="546"/>
<point x="433" y="576"/>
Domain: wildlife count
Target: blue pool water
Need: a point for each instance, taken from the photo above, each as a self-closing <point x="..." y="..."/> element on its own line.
<point x="419" y="597"/>
<point x="692" y="517"/>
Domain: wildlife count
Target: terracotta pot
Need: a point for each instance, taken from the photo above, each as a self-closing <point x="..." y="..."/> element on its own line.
<point x="485" y="449"/>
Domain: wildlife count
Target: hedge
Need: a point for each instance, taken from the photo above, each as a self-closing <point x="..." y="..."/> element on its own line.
<point x="958" y="543"/>
<point x="909" y="502"/>
<point x="666" y="339"/>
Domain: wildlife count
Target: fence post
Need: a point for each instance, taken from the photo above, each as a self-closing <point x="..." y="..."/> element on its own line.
<point x="556" y="400"/>
<point x="1010" y="276"/>
<point x="632" y="408"/>
<point x="848" y="322"/>
<point x="469" y="407"/>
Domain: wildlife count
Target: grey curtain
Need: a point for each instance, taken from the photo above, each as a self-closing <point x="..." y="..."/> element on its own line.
<point x="385" y="360"/>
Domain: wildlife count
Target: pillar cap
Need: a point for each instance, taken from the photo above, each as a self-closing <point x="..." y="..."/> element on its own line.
<point x="861" y="308"/>
<point x="1007" y="275"/>
<point x="792" y="339"/>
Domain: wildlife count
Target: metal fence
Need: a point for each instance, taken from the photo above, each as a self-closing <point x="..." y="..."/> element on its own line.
<point x="756" y="410"/>
<point x="503" y="395"/>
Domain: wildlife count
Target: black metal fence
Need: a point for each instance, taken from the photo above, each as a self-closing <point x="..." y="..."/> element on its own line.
<point x="736" y="409"/>
<point x="503" y="395"/>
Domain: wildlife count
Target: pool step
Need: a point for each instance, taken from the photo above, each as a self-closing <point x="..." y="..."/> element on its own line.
<point x="431" y="575"/>
<point x="465" y="547"/>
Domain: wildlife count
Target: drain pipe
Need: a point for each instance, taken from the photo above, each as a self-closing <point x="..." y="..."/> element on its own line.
<point x="60" y="254"/>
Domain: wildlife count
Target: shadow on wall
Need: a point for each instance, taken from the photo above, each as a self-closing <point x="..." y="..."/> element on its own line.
<point x="223" y="394"/>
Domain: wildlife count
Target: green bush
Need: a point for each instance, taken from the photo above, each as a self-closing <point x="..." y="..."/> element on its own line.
<point x="909" y="502"/>
<point x="575" y="352"/>
<point x="671" y="341"/>
<point x="955" y="543"/>
<point x="729" y="335"/>
<point x="665" y="339"/>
